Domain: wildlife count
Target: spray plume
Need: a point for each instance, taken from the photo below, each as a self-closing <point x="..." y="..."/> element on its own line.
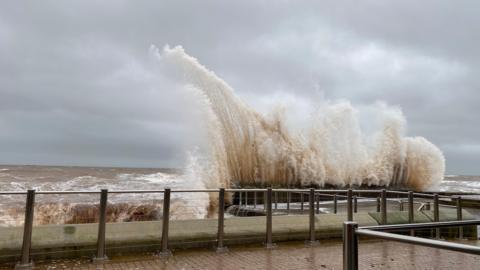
<point x="248" y="149"/>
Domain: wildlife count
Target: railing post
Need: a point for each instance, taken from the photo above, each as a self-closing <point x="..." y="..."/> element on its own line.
<point x="311" y="199"/>
<point x="239" y="199"/>
<point x="269" y="240"/>
<point x="410" y="211"/>
<point x="254" y="199"/>
<point x="102" y="220"/>
<point x="427" y="206"/>
<point x="384" y="206"/>
<point x="246" y="199"/>
<point x="25" y="262"/>
<point x="301" y="201"/>
<point x="221" y="217"/>
<point x="436" y="214"/>
<point x="378" y="204"/>
<point x="350" y="246"/>
<point x="349" y="205"/>
<point x="164" y="252"/>
<point x="288" y="202"/>
<point x="318" y="203"/>
<point x="335" y="203"/>
<point x="355" y="204"/>
<point x="459" y="216"/>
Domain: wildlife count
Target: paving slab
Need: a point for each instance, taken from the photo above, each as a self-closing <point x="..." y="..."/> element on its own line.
<point x="291" y="255"/>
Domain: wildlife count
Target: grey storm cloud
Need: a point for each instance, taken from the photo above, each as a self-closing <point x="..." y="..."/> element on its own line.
<point x="77" y="86"/>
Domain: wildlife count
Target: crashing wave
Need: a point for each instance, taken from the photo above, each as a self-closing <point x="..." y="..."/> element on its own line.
<point x="249" y="149"/>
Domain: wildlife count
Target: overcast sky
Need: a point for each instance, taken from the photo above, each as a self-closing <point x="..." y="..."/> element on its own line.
<point x="77" y="85"/>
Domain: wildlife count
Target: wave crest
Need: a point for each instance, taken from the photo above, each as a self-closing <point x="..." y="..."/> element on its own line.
<point x="249" y="149"/>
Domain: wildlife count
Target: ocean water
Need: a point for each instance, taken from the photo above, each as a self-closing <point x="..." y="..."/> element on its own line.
<point x="460" y="183"/>
<point x="61" y="209"/>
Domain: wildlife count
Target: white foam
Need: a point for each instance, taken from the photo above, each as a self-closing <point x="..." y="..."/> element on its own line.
<point x="249" y="149"/>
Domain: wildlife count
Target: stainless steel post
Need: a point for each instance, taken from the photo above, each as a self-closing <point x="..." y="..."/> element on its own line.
<point x="221" y="216"/>
<point x="25" y="262"/>
<point x="436" y="214"/>
<point x="335" y="200"/>
<point x="349" y="205"/>
<point x="378" y="204"/>
<point x="246" y="199"/>
<point x="269" y="240"/>
<point x="410" y="211"/>
<point x="311" y="210"/>
<point x="165" y="223"/>
<point x="254" y="199"/>
<point x="301" y="201"/>
<point x="240" y="199"/>
<point x="350" y="246"/>
<point x="102" y="220"/>
<point x="288" y="202"/>
<point x="384" y="206"/>
<point x="355" y="204"/>
<point x="459" y="215"/>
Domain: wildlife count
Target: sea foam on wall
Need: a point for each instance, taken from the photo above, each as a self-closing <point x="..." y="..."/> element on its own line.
<point x="249" y="149"/>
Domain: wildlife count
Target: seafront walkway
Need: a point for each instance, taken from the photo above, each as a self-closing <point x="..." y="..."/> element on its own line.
<point x="273" y="221"/>
<point x="290" y="255"/>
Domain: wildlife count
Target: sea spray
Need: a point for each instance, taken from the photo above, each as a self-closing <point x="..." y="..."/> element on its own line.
<point x="249" y="149"/>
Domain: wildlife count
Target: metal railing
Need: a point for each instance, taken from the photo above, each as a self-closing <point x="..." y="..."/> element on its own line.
<point x="270" y="197"/>
<point x="351" y="232"/>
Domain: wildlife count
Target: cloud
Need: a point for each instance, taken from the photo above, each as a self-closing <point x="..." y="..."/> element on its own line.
<point x="77" y="85"/>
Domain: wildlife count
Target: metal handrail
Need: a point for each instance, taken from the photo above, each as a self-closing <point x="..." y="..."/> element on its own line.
<point x="351" y="231"/>
<point x="427" y="225"/>
<point x="325" y="192"/>
<point x="13" y="193"/>
<point x="421" y="241"/>
<point x="351" y="200"/>
<point x="67" y="192"/>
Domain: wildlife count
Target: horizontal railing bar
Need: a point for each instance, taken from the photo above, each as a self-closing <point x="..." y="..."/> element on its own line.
<point x="397" y="192"/>
<point x="440" y="193"/>
<point x="331" y="191"/>
<point x="359" y="197"/>
<point x="300" y="190"/>
<point x="420" y="241"/>
<point x="424" y="195"/>
<point x="367" y="191"/>
<point x="428" y="225"/>
<point x="136" y="191"/>
<point x="67" y="192"/>
<point x="13" y="193"/>
<point x="451" y="193"/>
<point x="245" y="189"/>
<point x="417" y="194"/>
<point x="195" y="190"/>
<point x="323" y="192"/>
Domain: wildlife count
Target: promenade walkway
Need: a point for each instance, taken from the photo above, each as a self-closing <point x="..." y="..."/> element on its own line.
<point x="293" y="255"/>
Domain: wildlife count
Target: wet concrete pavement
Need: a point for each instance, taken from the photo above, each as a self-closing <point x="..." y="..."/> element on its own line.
<point x="294" y="255"/>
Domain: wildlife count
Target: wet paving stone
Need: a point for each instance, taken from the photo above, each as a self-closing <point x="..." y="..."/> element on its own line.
<point x="328" y="255"/>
